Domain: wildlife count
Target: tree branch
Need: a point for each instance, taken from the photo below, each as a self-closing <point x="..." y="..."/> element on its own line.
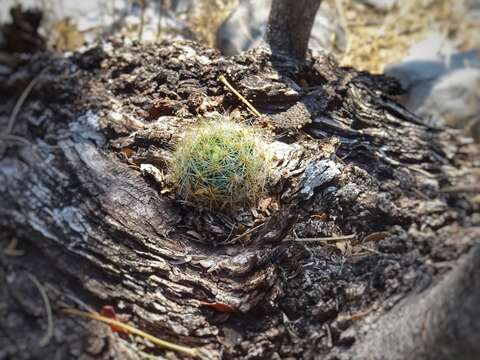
<point x="289" y="26"/>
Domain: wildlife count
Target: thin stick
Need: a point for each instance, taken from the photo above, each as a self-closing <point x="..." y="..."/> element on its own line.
<point x="15" y="138"/>
<point x="49" y="333"/>
<point x="462" y="189"/>
<point x="70" y="297"/>
<point x="255" y="112"/>
<point x="366" y="248"/>
<point x="12" y="250"/>
<point x="142" y="19"/>
<point x="329" y="336"/>
<point x="193" y="352"/>
<point x="421" y="171"/>
<point x="20" y="101"/>
<point x="344" y="24"/>
<point x="249" y="231"/>
<point x="326" y="239"/>
<point x="362" y="314"/>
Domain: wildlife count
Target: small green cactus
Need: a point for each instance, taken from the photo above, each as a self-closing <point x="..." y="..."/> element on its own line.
<point x="220" y="164"/>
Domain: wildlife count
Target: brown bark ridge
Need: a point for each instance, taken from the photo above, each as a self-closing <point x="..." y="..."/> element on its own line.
<point x="289" y="26"/>
<point x="85" y="191"/>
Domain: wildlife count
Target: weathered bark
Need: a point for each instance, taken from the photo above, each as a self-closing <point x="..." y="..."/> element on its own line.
<point x="443" y="323"/>
<point x="89" y="199"/>
<point x="289" y="26"/>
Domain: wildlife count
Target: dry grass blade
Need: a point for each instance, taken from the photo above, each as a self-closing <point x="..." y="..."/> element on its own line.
<point x="21" y="101"/>
<point x="241" y="236"/>
<point x="376" y="236"/>
<point x="15" y="138"/>
<point x="143" y="4"/>
<point x="366" y="248"/>
<point x="49" y="333"/>
<point x="224" y="81"/>
<point x="462" y="189"/>
<point x="5" y="135"/>
<point x="193" y="352"/>
<point x="12" y="250"/>
<point x="327" y="239"/>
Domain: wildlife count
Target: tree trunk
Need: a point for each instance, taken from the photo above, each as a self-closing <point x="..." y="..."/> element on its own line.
<point x="90" y="201"/>
<point x="289" y="26"/>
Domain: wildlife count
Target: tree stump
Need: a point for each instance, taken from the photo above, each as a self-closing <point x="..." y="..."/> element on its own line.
<point x="369" y="206"/>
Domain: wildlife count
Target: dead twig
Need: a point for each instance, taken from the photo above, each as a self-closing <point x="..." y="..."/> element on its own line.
<point x="142" y="19"/>
<point x="223" y="80"/>
<point x="249" y="231"/>
<point x="421" y="171"/>
<point x="366" y="248"/>
<point x="21" y="101"/>
<point x="344" y="24"/>
<point x="360" y="315"/>
<point x="376" y="236"/>
<point x="329" y="336"/>
<point x="193" y="352"/>
<point x="462" y="189"/>
<point x="49" y="333"/>
<point x="326" y="239"/>
<point x="15" y="138"/>
<point x="6" y="134"/>
<point x="70" y="297"/>
<point x="12" y="250"/>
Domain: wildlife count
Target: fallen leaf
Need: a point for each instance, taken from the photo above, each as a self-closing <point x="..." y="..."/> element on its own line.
<point x="321" y="216"/>
<point x="109" y="312"/>
<point x="344" y="246"/>
<point x="264" y="204"/>
<point x="220" y="307"/>
<point x="128" y="152"/>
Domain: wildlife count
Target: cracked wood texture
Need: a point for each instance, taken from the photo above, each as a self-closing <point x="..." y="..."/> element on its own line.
<point x="99" y="227"/>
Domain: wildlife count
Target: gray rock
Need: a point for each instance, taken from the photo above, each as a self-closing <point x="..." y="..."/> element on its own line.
<point x="454" y="100"/>
<point x="246" y="25"/>
<point x="472" y="9"/>
<point x="442" y="84"/>
<point x="182" y="6"/>
<point x="424" y="64"/>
